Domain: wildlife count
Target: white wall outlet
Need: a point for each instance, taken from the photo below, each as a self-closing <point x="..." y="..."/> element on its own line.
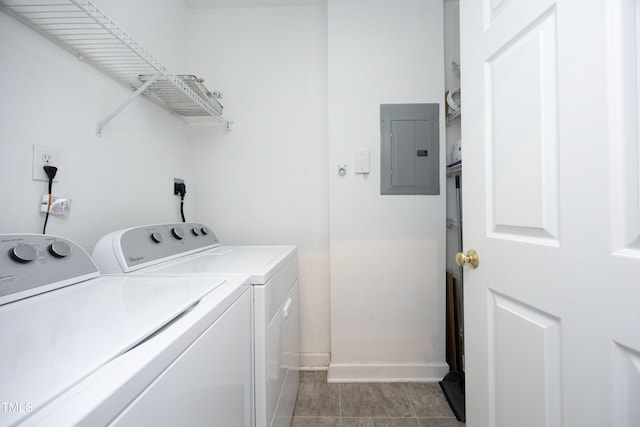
<point x="44" y="156"/>
<point x="177" y="181"/>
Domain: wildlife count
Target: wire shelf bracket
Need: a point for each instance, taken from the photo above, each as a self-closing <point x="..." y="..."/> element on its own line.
<point x="124" y="104"/>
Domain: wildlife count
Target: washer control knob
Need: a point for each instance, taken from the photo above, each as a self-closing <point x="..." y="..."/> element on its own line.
<point x="23" y="253"/>
<point x="204" y="231"/>
<point x="60" y="249"/>
<point x="177" y="232"/>
<point x="157" y="237"/>
<point x="195" y="231"/>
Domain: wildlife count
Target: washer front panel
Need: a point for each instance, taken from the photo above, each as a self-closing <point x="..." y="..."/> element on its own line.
<point x="52" y="341"/>
<point x="213" y="378"/>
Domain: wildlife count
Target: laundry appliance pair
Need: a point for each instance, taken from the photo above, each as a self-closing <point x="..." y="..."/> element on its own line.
<point x="178" y="330"/>
<point x="80" y="348"/>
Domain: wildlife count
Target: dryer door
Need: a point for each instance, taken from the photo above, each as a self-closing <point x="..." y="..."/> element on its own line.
<point x="283" y="360"/>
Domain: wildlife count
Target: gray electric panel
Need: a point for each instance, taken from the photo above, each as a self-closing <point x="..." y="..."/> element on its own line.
<point x="410" y="145"/>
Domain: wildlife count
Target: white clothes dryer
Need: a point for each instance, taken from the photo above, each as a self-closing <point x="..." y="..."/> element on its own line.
<point x="84" y="349"/>
<point x="193" y="250"/>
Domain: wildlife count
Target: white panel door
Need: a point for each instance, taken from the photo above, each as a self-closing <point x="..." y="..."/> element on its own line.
<point x="552" y="205"/>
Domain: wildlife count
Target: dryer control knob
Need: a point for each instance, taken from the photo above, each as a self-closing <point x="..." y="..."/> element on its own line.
<point x="177" y="232"/>
<point x="157" y="237"/>
<point x="195" y="231"/>
<point x="204" y="231"/>
<point x="60" y="249"/>
<point x="23" y="253"/>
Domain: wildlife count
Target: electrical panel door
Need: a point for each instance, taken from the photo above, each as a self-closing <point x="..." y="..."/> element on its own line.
<point x="410" y="149"/>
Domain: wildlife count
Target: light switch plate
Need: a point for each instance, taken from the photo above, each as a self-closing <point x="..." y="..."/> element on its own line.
<point x="362" y="162"/>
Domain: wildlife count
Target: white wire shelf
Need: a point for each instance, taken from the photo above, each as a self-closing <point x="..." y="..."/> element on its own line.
<point x="454" y="168"/>
<point x="453" y="115"/>
<point x="85" y="31"/>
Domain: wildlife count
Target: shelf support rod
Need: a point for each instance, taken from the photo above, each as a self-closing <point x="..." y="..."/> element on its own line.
<point x="126" y="102"/>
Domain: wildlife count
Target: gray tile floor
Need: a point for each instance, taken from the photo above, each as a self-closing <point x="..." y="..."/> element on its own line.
<point x="321" y="404"/>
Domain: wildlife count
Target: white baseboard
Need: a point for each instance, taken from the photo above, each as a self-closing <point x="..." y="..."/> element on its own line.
<point x="314" y="361"/>
<point x="357" y="372"/>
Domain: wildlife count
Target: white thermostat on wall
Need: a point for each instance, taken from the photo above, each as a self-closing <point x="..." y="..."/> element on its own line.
<point x="362" y="162"/>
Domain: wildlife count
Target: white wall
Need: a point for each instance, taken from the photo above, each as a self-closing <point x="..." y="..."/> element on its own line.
<point x="265" y="182"/>
<point x="272" y="179"/>
<point x="49" y="97"/>
<point x="387" y="252"/>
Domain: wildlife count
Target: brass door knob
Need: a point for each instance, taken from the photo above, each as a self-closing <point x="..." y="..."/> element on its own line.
<point x="470" y="258"/>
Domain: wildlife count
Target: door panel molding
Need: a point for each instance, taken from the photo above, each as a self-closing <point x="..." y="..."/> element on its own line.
<point x="525" y="364"/>
<point x="624" y="114"/>
<point x="511" y="16"/>
<point x="626" y="385"/>
<point x="521" y="104"/>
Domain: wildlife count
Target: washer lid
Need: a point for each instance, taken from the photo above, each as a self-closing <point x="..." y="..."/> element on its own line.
<point x="53" y="340"/>
<point x="260" y="262"/>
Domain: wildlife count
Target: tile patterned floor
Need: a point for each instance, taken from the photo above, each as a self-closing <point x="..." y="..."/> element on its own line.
<point x="321" y="404"/>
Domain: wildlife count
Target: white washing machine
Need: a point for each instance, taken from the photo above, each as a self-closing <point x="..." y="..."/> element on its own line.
<point x="83" y="349"/>
<point x="193" y="250"/>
